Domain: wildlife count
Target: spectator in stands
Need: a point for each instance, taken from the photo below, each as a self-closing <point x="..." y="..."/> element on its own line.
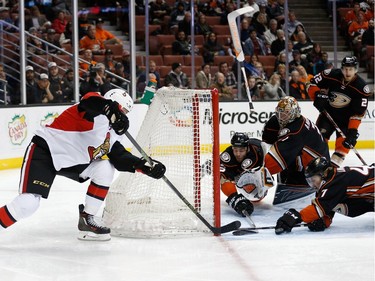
<point x="262" y="10"/>
<point x="253" y="89"/>
<point x="322" y="64"/>
<point x="367" y="38"/>
<point x="352" y="15"/>
<point x="54" y="44"/>
<point x="245" y="29"/>
<point x="109" y="62"/>
<point x="43" y="93"/>
<point x="31" y="86"/>
<point x="294" y="36"/>
<point x="202" y="27"/>
<point x="36" y="20"/>
<point x="280" y="59"/>
<point x="87" y="61"/>
<point x="104" y="35"/>
<point x="67" y="36"/>
<point x="292" y="22"/>
<point x="96" y="81"/>
<point x="185" y="24"/>
<point x="278" y="45"/>
<point x="83" y="22"/>
<point x="355" y="30"/>
<point x="60" y="5"/>
<point x="272" y="88"/>
<point x="270" y="34"/>
<point x="89" y="41"/>
<point x="281" y="70"/>
<point x="119" y="71"/>
<point x="254" y="45"/>
<point x="314" y="56"/>
<point x="212" y="48"/>
<point x="260" y="24"/>
<point x="225" y="92"/>
<point x="276" y="11"/>
<point x="177" y="78"/>
<point x="297" y="89"/>
<point x="34" y="45"/>
<point x="5" y="16"/>
<point x="177" y="15"/>
<point x="229" y="7"/>
<point x="203" y="78"/>
<point x="158" y="9"/>
<point x="260" y="70"/>
<point x="297" y="60"/>
<point x="304" y="76"/>
<point x="59" y="23"/>
<point x="303" y="45"/>
<point x="230" y="78"/>
<point x="252" y="4"/>
<point x="181" y="46"/>
<point x="67" y="86"/>
<point x="4" y="95"/>
<point x="141" y="81"/>
<point x="55" y="82"/>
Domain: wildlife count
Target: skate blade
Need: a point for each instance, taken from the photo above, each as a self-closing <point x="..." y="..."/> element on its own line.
<point x="90" y="236"/>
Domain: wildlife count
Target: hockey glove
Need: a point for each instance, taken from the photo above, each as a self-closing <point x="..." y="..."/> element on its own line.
<point x="117" y="118"/>
<point x="239" y="203"/>
<point x="157" y="171"/>
<point x="317" y="225"/>
<point x="287" y="221"/>
<point x="351" y="138"/>
<point x="321" y="101"/>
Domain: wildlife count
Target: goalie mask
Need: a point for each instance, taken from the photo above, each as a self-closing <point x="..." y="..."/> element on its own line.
<point x="122" y="97"/>
<point x="287" y="110"/>
<point x="254" y="184"/>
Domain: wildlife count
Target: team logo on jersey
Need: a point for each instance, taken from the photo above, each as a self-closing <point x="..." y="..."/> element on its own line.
<point x="327" y="71"/>
<point x="284" y="132"/>
<point x="101" y="150"/>
<point x="246" y="163"/>
<point x="339" y="100"/>
<point x="366" y="89"/>
<point x="225" y="157"/>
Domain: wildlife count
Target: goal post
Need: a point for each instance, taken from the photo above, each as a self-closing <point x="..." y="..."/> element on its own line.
<point x="181" y="130"/>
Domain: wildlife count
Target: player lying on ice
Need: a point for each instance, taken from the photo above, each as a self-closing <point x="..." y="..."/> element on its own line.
<point x="348" y="191"/>
<point x="294" y="140"/>
<point x="73" y="146"/>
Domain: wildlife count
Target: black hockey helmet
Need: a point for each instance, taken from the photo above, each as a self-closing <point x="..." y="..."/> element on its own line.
<point x="240" y="140"/>
<point x="350" y="61"/>
<point x="318" y="166"/>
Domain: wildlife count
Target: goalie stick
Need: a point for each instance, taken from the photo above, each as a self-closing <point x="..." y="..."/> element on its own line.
<point x="238" y="45"/>
<point x="343" y="135"/>
<point x="216" y="230"/>
<point x="253" y="230"/>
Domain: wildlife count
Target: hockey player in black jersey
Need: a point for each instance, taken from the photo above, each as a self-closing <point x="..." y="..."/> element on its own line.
<point x="348" y="191"/>
<point x="244" y="154"/>
<point x="76" y="145"/>
<point x="343" y="94"/>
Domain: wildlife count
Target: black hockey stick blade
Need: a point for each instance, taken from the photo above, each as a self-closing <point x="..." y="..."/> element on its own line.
<point x="252" y="230"/>
<point x="226" y="228"/>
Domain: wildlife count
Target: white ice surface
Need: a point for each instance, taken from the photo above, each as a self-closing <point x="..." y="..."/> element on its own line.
<point x="45" y="247"/>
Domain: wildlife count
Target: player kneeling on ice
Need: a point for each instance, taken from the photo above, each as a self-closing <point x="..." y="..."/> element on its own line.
<point x="348" y="191"/>
<point x="74" y="146"/>
<point x="244" y="154"/>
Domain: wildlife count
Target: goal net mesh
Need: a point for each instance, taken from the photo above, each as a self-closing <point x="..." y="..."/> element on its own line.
<point x="177" y="131"/>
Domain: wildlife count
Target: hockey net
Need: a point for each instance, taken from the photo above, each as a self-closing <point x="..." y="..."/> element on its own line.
<point x="180" y="130"/>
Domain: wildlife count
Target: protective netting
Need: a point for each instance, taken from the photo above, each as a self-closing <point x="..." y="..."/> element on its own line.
<point x="177" y="131"/>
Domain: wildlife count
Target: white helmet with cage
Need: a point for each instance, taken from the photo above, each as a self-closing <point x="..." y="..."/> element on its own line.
<point x="122" y="97"/>
<point x="287" y="110"/>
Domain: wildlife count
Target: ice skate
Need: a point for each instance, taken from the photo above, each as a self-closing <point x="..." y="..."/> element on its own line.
<point x="91" y="228"/>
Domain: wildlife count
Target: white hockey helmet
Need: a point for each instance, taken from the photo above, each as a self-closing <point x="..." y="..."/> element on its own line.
<point x="254" y="184"/>
<point x="122" y="97"/>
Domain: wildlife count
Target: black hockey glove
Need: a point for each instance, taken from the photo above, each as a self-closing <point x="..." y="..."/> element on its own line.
<point x="240" y="203"/>
<point x="317" y="225"/>
<point x="321" y="101"/>
<point x="351" y="138"/>
<point x="117" y="118"/>
<point x="156" y="172"/>
<point x="287" y="221"/>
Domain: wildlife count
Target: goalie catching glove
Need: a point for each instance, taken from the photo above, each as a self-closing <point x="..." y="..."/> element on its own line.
<point x="240" y="204"/>
<point x="117" y="118"/>
<point x="156" y="171"/>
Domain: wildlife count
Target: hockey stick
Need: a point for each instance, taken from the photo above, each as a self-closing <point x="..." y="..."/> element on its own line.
<point x="216" y="230"/>
<point x="238" y="46"/>
<point x="342" y="135"/>
<point x="248" y="219"/>
<point x="252" y="230"/>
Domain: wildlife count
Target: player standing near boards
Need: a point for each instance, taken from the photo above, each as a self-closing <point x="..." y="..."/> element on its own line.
<point x="74" y="146"/>
<point x="343" y="94"/>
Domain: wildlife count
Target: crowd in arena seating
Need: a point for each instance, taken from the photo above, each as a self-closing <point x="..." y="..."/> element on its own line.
<point x="261" y="32"/>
